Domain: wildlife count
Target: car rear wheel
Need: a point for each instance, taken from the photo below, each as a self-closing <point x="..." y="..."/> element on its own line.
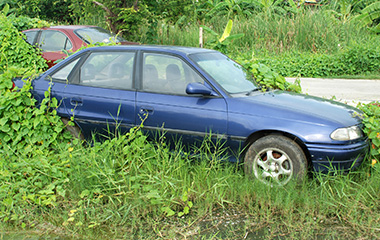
<point x="275" y="160"/>
<point x="75" y="131"/>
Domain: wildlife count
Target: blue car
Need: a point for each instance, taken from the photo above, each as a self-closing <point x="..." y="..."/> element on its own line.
<point x="190" y="93"/>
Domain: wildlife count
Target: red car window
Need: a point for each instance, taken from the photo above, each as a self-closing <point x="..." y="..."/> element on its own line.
<point x="53" y="41"/>
<point x="31" y="36"/>
<point x="96" y="34"/>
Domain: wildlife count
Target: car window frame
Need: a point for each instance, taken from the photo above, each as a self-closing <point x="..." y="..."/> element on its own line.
<point x="230" y="95"/>
<point x="36" y="37"/>
<point x="139" y="82"/>
<point x="38" y="42"/>
<point x="74" y="75"/>
<point x="108" y="51"/>
<point x="71" y="77"/>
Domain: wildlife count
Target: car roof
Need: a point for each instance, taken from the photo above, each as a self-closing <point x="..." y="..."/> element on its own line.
<point x="181" y="50"/>
<point x="65" y="27"/>
<point x="72" y="27"/>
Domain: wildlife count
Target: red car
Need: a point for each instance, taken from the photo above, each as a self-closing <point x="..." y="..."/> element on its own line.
<point x="52" y="40"/>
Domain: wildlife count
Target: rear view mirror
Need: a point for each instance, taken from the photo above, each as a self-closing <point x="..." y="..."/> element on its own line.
<point x="199" y="88"/>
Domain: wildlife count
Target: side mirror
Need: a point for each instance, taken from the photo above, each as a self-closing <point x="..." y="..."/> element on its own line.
<point x="199" y="88"/>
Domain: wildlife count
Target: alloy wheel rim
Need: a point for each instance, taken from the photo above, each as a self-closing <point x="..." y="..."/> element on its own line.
<point x="273" y="166"/>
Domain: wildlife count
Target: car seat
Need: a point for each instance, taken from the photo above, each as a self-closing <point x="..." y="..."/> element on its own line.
<point x="174" y="84"/>
<point x="150" y="77"/>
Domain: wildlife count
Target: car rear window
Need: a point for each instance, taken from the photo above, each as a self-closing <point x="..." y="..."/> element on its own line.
<point x="96" y="34"/>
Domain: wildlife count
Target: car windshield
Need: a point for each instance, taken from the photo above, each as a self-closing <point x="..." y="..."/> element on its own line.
<point x="96" y="34"/>
<point x="227" y="73"/>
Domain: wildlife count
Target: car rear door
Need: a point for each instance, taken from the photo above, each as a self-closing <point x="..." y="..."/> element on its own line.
<point x="100" y="94"/>
<point x="52" y="43"/>
<point x="162" y="102"/>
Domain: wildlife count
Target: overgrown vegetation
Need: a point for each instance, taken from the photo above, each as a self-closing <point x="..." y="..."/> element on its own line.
<point x="291" y="37"/>
<point x="354" y="60"/>
<point x="127" y="187"/>
<point x="372" y="127"/>
<point x="15" y="51"/>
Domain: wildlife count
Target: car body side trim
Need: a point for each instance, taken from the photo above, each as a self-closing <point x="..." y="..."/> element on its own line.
<point x="169" y="130"/>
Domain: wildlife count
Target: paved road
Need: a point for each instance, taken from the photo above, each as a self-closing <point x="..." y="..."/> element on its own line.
<point x="351" y="91"/>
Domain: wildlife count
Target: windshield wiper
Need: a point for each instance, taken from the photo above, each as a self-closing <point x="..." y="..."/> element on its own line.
<point x="253" y="90"/>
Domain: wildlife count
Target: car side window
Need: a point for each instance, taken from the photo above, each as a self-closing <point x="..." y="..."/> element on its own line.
<point x="108" y="70"/>
<point x="30" y="36"/>
<point x="53" y="41"/>
<point x="63" y="73"/>
<point x="167" y="74"/>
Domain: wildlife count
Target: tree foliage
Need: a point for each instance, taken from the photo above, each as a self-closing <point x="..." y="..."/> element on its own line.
<point x="109" y="9"/>
<point x="171" y="10"/>
<point x="221" y="43"/>
<point x="370" y="17"/>
<point x="51" y="10"/>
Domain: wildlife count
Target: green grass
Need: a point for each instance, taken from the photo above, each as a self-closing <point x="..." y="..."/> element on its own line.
<point x="129" y="188"/>
<point x="309" y="31"/>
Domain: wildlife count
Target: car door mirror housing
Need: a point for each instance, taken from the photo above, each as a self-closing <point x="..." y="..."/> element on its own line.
<point x="199" y="88"/>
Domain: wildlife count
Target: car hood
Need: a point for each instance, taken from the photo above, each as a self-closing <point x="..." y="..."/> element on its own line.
<point x="296" y="107"/>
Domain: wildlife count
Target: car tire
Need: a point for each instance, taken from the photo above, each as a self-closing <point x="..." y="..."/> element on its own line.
<point x="275" y="160"/>
<point x="75" y="131"/>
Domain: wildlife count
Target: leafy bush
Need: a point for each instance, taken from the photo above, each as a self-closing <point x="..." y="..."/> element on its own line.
<point x="267" y="77"/>
<point x="15" y="51"/>
<point x="22" y="125"/>
<point x="372" y="126"/>
<point x="171" y="10"/>
<point x="31" y="173"/>
<point x="221" y="43"/>
<point x="50" y="10"/>
<point x="131" y="21"/>
<point x="24" y="22"/>
<point x="117" y="15"/>
<point x="354" y="60"/>
<point x="33" y="178"/>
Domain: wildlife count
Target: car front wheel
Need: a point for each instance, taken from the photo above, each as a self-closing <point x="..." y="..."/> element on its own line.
<point x="275" y="160"/>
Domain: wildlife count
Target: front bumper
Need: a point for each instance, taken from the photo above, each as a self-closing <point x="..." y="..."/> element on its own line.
<point x="337" y="157"/>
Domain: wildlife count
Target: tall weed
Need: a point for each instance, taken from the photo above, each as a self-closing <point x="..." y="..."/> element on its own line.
<point x="132" y="186"/>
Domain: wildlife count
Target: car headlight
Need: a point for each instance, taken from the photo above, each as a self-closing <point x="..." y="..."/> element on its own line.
<point x="346" y="134"/>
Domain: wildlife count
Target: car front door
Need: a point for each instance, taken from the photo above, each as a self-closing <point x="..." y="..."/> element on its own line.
<point x="101" y="95"/>
<point x="162" y="102"/>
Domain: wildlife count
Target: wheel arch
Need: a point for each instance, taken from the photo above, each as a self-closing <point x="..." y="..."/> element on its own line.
<point x="257" y="135"/>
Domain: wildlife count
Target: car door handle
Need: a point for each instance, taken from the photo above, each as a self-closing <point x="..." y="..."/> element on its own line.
<point x="146" y="110"/>
<point x="76" y="101"/>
